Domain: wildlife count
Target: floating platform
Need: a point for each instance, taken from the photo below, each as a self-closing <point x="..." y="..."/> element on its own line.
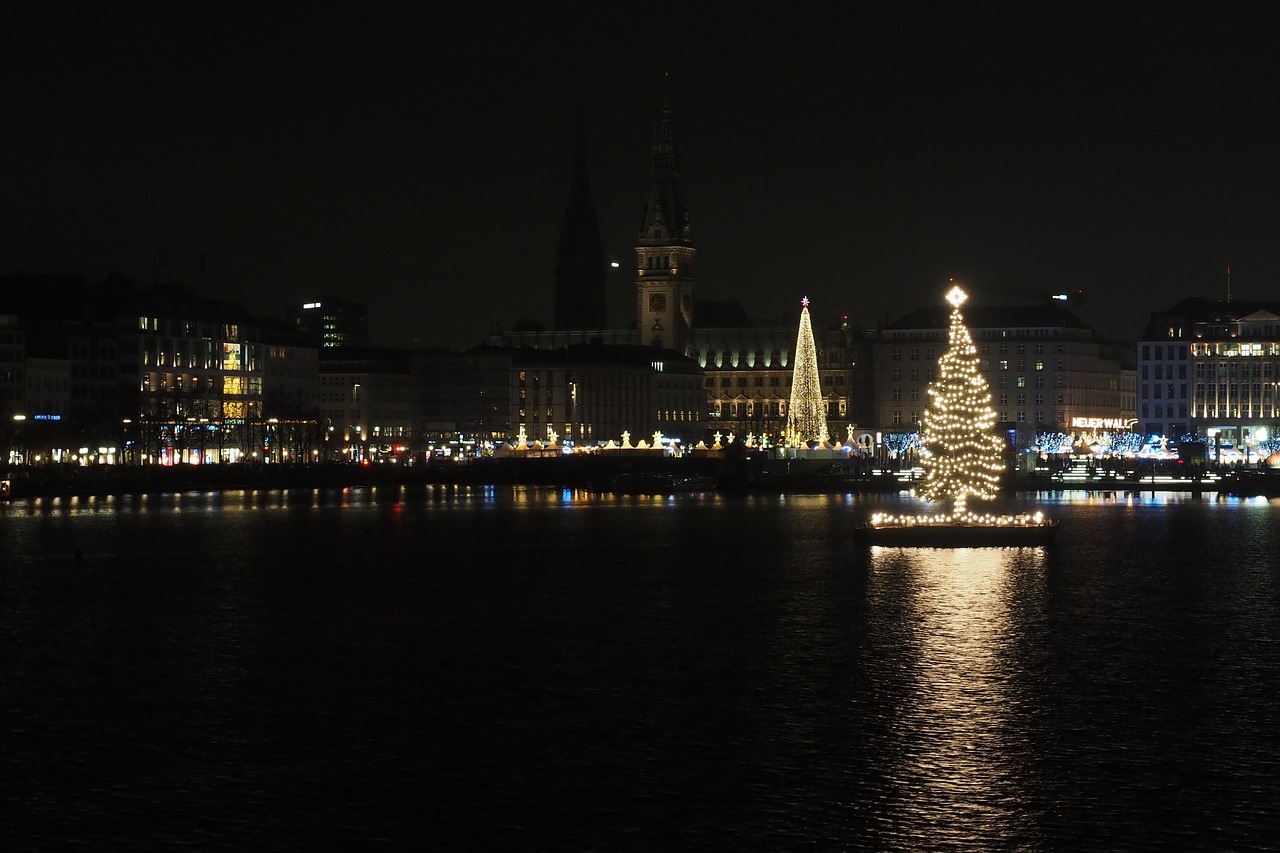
<point x="947" y="535"/>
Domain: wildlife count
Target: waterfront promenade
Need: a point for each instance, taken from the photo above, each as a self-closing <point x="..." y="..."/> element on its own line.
<point x="752" y="474"/>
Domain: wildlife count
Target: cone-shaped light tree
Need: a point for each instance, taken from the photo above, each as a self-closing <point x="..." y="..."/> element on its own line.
<point x="806" y="411"/>
<point x="962" y="453"/>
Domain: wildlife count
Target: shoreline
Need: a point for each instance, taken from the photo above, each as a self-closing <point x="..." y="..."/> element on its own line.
<point x="745" y="475"/>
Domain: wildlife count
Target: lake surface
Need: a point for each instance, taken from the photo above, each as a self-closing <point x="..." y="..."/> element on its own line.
<point x="538" y="669"/>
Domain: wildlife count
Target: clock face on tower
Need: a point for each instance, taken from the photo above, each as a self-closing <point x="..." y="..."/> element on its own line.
<point x="657" y="302"/>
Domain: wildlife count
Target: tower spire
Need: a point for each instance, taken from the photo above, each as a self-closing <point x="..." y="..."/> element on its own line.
<point x="580" y="267"/>
<point x="665" y="252"/>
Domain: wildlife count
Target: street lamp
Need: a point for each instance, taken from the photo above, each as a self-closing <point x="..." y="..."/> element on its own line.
<point x="355" y="422"/>
<point x="271" y="444"/>
<point x="16" y="456"/>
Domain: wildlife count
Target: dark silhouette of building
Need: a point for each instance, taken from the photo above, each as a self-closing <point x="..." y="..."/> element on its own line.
<point x="334" y="322"/>
<point x="580" y="264"/>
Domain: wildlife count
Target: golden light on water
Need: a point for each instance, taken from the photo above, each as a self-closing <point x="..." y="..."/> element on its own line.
<point x="956" y="737"/>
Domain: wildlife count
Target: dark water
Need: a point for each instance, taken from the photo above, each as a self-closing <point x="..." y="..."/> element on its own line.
<point x="530" y="670"/>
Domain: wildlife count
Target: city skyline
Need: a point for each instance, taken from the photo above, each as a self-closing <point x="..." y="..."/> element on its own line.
<point x="421" y="163"/>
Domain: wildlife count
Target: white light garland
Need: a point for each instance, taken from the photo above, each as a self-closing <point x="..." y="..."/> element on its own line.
<point x="806" y="410"/>
<point x="960" y="452"/>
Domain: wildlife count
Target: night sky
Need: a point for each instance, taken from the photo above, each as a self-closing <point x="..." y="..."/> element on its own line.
<point x="857" y="155"/>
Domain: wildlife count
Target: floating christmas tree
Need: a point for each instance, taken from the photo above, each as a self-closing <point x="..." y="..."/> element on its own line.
<point x="806" y="412"/>
<point x="961" y="455"/>
<point x="961" y="452"/>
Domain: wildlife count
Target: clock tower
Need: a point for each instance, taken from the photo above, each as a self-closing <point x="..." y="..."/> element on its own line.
<point x="665" y="253"/>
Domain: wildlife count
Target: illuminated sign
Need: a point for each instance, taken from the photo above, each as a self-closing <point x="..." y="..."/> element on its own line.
<point x="1103" y="423"/>
<point x="307" y="306"/>
<point x="46" y="417"/>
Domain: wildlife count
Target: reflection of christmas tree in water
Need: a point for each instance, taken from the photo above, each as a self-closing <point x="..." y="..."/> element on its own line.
<point x="960" y="451"/>
<point x="806" y="411"/>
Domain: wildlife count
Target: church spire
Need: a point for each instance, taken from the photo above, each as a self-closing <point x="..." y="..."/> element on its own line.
<point x="665" y="252"/>
<point x="666" y="214"/>
<point x="580" y="267"/>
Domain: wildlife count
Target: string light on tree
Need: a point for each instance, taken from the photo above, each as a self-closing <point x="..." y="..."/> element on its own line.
<point x="961" y="452"/>
<point x="806" y="411"/>
<point x="962" y="458"/>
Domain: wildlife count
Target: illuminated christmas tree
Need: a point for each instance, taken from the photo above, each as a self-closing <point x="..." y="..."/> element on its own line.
<point x="961" y="452"/>
<point x="962" y="457"/>
<point x="806" y="412"/>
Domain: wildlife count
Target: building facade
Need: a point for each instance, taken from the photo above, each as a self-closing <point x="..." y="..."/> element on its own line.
<point x="590" y="395"/>
<point x="1211" y="369"/>
<point x="290" y="404"/>
<point x="747" y="374"/>
<point x="1048" y="371"/>
<point x="369" y="404"/>
<point x="194" y="383"/>
<point x="465" y="396"/>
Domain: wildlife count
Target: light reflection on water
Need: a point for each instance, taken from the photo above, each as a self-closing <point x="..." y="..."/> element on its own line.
<point x="560" y="670"/>
<point x="957" y="755"/>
